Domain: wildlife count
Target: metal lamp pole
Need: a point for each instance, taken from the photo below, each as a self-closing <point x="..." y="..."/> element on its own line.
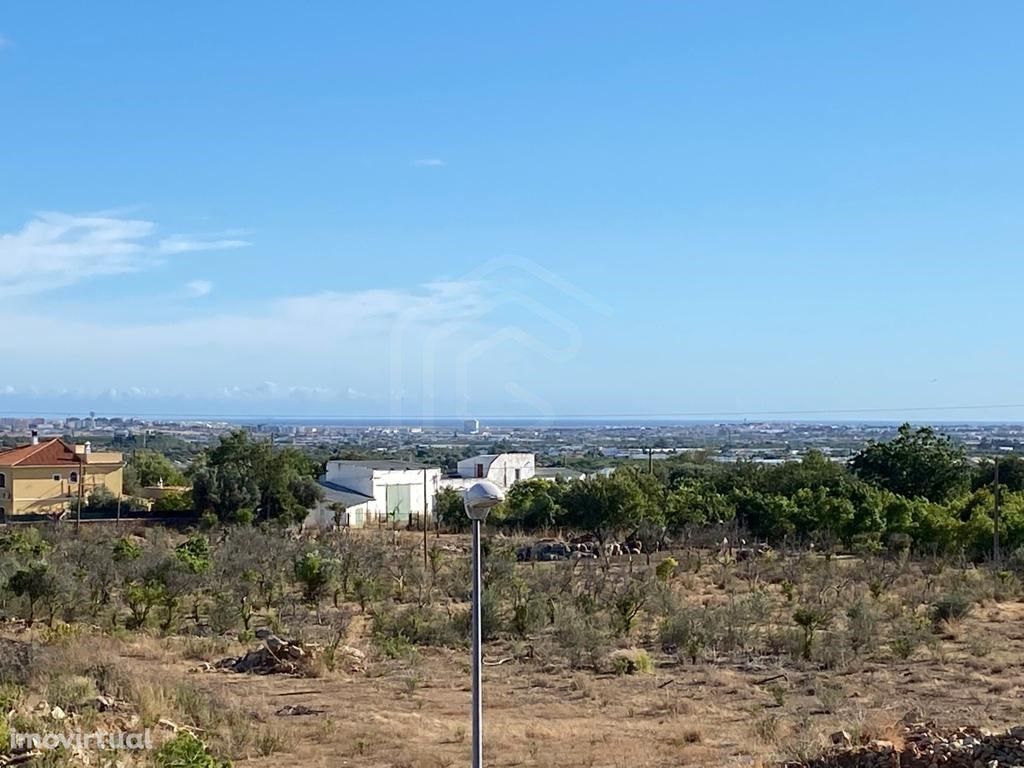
<point x="479" y="499"/>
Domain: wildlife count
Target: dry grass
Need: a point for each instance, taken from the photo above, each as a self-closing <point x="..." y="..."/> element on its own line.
<point x="726" y="709"/>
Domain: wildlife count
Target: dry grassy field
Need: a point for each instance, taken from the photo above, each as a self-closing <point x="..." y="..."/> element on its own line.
<point x="730" y="670"/>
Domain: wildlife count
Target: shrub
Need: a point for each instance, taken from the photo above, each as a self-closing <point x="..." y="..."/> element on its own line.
<point x="578" y="639"/>
<point x="862" y="625"/>
<point x="417" y="626"/>
<point x="950" y="607"/>
<point x="187" y="751"/>
<point x="395" y="647"/>
<point x="529" y="613"/>
<point x="909" y="632"/>
<point x="194" y="554"/>
<point x="630" y="661"/>
<point x="685" y="633"/>
<point x="314" y="575"/>
<point x="810" y="619"/>
<point x="666" y="569"/>
<point x="788" y="590"/>
<point x="70" y="692"/>
<point x="126" y="549"/>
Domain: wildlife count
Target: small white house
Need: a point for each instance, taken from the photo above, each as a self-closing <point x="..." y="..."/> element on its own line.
<point x="375" y="492"/>
<point x="502" y="469"/>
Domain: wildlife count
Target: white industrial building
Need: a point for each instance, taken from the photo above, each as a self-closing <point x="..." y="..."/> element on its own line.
<point x="375" y="492"/>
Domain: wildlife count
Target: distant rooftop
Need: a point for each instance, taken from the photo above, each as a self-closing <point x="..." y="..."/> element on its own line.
<point x="343" y="495"/>
<point x="566" y="473"/>
<point x="47" y="453"/>
<point x="383" y="464"/>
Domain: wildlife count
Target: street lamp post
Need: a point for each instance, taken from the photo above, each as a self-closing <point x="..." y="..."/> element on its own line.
<point x="479" y="499"/>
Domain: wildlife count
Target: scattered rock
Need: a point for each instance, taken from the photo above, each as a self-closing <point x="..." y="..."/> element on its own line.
<point x="925" y="746"/>
<point x="841" y="739"/>
<point x="103" y="703"/>
<point x="57" y="713"/>
<point x="297" y="710"/>
<point x="275" y="657"/>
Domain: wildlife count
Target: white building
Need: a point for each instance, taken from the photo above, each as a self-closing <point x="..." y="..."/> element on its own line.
<point x="375" y="492"/>
<point x="471" y="426"/>
<point x="502" y="469"/>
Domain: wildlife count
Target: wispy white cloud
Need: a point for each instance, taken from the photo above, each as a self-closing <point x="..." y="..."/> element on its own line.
<point x="54" y="250"/>
<point x="185" y="244"/>
<point x="429" y="162"/>
<point x="5" y="42"/>
<point x="197" y="288"/>
<point x="335" y="342"/>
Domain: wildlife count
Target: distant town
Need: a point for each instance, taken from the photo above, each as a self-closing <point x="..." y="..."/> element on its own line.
<point x="586" y="443"/>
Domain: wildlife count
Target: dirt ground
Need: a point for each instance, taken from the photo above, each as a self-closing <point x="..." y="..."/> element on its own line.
<point x="416" y="714"/>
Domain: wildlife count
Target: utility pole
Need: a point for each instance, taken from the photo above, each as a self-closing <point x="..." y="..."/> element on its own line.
<point x="425" y="556"/>
<point x="81" y="490"/>
<point x="270" y="468"/>
<point x="996" y="557"/>
<point x="650" y="460"/>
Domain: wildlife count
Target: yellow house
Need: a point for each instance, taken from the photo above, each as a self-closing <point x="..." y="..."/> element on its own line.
<point x="48" y="477"/>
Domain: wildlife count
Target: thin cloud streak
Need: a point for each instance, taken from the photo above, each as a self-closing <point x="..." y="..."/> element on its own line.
<point x="179" y="244"/>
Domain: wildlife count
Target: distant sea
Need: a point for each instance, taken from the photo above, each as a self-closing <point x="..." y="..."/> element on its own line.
<point x="638" y="421"/>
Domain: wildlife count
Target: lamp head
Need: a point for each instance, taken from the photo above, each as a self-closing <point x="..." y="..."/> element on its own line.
<point x="480" y="498"/>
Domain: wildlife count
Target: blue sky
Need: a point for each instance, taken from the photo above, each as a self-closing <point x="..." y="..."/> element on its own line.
<point x="540" y="209"/>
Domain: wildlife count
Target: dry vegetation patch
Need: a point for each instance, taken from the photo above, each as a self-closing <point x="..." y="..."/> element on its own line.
<point x="600" y="662"/>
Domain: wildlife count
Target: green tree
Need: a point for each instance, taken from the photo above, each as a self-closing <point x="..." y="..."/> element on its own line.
<point x="34" y="583"/>
<point x="813" y="471"/>
<point x="696" y="503"/>
<point x="604" y="505"/>
<point x="1011" y="473"/>
<point x="240" y="479"/>
<point x="534" y="503"/>
<point x="151" y="468"/>
<point x="450" y="510"/>
<point x="314" y="573"/>
<point x="768" y="516"/>
<point x="174" y="503"/>
<point x="917" y="463"/>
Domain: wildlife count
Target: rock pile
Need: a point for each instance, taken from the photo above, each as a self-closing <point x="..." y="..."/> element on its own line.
<point x="275" y="657"/>
<point x="925" y="746"/>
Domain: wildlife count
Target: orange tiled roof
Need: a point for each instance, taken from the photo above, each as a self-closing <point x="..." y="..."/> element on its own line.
<point x="48" y="453"/>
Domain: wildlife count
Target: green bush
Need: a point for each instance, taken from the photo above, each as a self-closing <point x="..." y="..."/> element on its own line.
<point x="630" y="661"/>
<point x="578" y="639"/>
<point x="126" y="549"/>
<point x="187" y="751"/>
<point x="685" y="633"/>
<point x="909" y="632"/>
<point x="666" y="569"/>
<point x="417" y="625"/>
